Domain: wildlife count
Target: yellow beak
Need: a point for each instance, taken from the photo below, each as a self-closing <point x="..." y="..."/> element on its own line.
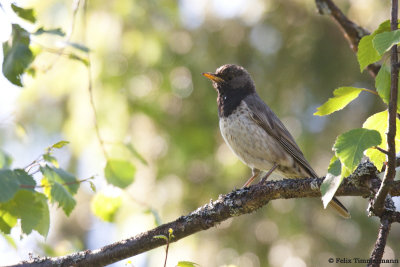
<point x="212" y="77"/>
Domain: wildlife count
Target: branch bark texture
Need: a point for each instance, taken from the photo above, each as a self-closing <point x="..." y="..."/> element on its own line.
<point x="239" y="202"/>
<point x="380" y="244"/>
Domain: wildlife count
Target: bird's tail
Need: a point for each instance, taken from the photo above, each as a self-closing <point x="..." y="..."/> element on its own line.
<point x="335" y="203"/>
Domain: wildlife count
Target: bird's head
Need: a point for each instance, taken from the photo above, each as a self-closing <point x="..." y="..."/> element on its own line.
<point x="230" y="78"/>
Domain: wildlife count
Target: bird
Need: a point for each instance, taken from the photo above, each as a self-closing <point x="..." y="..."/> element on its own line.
<point x="254" y="133"/>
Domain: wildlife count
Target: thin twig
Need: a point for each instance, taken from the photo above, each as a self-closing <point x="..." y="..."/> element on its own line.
<point x="96" y="124"/>
<point x="60" y="52"/>
<point x="382" y="150"/>
<point x="49" y="185"/>
<point x="90" y="88"/>
<point x="166" y="253"/>
<point x="390" y="172"/>
<point x="33" y="162"/>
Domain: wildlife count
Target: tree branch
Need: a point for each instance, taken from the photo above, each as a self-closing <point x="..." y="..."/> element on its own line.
<point x="390" y="172"/>
<point x="351" y="31"/>
<point x="363" y="182"/>
<point x="380" y="244"/>
<point x="395" y="216"/>
<point x="383" y="205"/>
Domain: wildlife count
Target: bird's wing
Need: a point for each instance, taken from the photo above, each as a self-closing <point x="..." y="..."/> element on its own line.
<point x="267" y="120"/>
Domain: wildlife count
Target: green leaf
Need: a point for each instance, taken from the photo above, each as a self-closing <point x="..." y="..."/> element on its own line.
<point x="25" y="180"/>
<point x="12" y="180"/>
<point x="44" y="222"/>
<point x="58" y="193"/>
<point x="31" y="71"/>
<point x="31" y="208"/>
<point x="92" y="186"/>
<point x="186" y="264"/>
<point x="105" y="207"/>
<point x="76" y="57"/>
<point x="334" y="166"/>
<point x="119" y="172"/>
<point x="15" y="63"/>
<point x="8" y="185"/>
<point x="349" y="147"/>
<point x="383" y="27"/>
<point x="329" y="187"/>
<point x="17" y="55"/>
<point x="5" y="160"/>
<point x="80" y="47"/>
<point x="170" y="234"/>
<point x="341" y="97"/>
<point x="49" y="158"/>
<point x="345" y="171"/>
<point x="382" y="84"/>
<point x="25" y="13"/>
<point x="367" y="54"/>
<point x="62" y="177"/>
<point x="26" y="210"/>
<point x="332" y="181"/>
<point x="57" y="31"/>
<point x="379" y="122"/>
<point x="384" y="41"/>
<point x="60" y="144"/>
<point x="7" y="220"/>
<point x="136" y="154"/>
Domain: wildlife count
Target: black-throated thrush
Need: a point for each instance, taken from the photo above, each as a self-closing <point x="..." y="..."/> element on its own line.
<point x="253" y="131"/>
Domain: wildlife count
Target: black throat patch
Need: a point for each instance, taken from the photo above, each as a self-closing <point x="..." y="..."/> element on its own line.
<point x="229" y="99"/>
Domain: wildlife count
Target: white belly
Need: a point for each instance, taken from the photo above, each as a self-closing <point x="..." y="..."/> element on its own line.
<point x="249" y="141"/>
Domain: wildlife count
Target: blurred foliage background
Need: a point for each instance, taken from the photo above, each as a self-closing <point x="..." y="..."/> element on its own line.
<point x="147" y="58"/>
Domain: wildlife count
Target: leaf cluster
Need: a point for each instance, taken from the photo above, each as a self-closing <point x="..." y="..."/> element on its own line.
<point x="23" y="198"/>
<point x="19" y="53"/>
<point x="352" y="146"/>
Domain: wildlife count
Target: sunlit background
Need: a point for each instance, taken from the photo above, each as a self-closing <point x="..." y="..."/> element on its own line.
<point x="147" y="59"/>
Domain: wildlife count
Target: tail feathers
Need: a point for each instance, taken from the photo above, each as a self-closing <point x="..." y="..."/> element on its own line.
<point x="335" y="203"/>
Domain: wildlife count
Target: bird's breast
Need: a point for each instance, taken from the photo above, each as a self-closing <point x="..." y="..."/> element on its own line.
<point x="248" y="140"/>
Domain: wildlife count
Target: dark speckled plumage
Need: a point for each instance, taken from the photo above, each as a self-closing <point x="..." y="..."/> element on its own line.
<point x="253" y="131"/>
